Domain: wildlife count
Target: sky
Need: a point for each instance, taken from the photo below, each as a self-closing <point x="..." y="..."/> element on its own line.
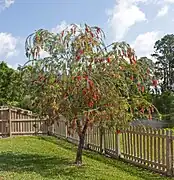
<point x="139" y="22"/>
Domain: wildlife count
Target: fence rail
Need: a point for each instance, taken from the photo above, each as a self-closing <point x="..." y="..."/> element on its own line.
<point x="23" y="127"/>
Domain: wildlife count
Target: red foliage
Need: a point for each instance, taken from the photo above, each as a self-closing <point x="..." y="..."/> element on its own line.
<point x="142" y="110"/>
<point x="91" y="83"/>
<point x="77" y="57"/>
<point x="79" y="78"/>
<point x="91" y="104"/>
<point x="108" y="60"/>
<point x="155" y="83"/>
<point x="132" y="77"/>
<point x="142" y="88"/>
<point x="150" y="117"/>
<point x="118" y="131"/>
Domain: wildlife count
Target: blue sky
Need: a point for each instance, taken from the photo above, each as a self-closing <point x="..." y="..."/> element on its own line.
<point x="139" y="22"/>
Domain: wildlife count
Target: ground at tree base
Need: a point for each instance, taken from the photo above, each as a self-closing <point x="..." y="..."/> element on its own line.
<point x="47" y="158"/>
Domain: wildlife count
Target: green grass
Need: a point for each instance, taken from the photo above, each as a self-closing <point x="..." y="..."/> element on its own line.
<point x="41" y="158"/>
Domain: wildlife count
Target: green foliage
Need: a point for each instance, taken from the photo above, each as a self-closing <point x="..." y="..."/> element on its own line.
<point x="13" y="88"/>
<point x="10" y="86"/>
<point x="165" y="105"/>
<point x="164" y="53"/>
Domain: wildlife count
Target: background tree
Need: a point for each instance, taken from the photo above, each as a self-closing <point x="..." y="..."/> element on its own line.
<point x="10" y="86"/>
<point x="164" y="54"/>
<point x="165" y="104"/>
<point x="85" y="81"/>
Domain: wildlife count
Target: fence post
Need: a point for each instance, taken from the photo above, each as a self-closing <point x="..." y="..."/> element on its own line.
<point x="9" y="119"/>
<point x="169" y="153"/>
<point x="117" y="141"/>
<point x="101" y="139"/>
<point x="172" y="153"/>
<point x="66" y="130"/>
<point x="52" y="128"/>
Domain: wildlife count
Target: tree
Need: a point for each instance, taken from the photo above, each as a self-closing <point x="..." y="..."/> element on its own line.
<point x="164" y="53"/>
<point x="165" y="105"/>
<point x="85" y="81"/>
<point x="10" y="85"/>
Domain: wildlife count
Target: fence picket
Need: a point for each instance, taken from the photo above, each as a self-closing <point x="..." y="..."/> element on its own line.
<point x="159" y="148"/>
<point x="148" y="147"/>
<point x="126" y="143"/>
<point x="131" y="142"/>
<point x="151" y="145"/>
<point x="138" y="144"/>
<point x="123" y="141"/>
<point x="134" y="141"/>
<point x="113" y="141"/>
<point x="144" y="145"/>
<point x="141" y="145"/>
<point x="168" y="152"/>
<point x="155" y="148"/>
<point x="172" y="153"/>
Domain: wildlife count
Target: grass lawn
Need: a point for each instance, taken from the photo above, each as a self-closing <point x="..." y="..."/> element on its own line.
<point x="41" y="158"/>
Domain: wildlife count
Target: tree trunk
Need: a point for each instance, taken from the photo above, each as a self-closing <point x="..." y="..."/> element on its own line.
<point x="82" y="134"/>
<point x="80" y="148"/>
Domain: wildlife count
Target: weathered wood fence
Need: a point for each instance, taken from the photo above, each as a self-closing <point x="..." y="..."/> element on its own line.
<point x="16" y="121"/>
<point x="146" y="147"/>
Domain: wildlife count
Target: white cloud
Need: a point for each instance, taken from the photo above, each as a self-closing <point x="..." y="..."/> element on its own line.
<point x="144" y="43"/>
<point x="125" y="14"/>
<point x="8" y="45"/>
<point x="164" y="2"/>
<point x="6" y="4"/>
<point x="60" y="27"/>
<point x="168" y="1"/>
<point x="44" y="54"/>
<point x="14" y="66"/>
<point x="163" y="11"/>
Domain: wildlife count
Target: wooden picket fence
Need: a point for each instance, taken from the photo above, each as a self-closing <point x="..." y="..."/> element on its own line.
<point x="16" y="121"/>
<point x="146" y="147"/>
<point x="149" y="148"/>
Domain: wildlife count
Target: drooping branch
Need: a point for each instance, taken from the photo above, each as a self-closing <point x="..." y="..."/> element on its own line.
<point x="86" y="76"/>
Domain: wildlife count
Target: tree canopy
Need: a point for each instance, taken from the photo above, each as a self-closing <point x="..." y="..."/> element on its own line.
<point x="164" y="54"/>
<point x="10" y="85"/>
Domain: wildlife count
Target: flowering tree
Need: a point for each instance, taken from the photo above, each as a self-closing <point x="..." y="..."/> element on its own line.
<point x="84" y="80"/>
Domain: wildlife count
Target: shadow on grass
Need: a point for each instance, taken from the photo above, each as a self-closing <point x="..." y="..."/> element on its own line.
<point x="46" y="166"/>
<point x="119" y="164"/>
